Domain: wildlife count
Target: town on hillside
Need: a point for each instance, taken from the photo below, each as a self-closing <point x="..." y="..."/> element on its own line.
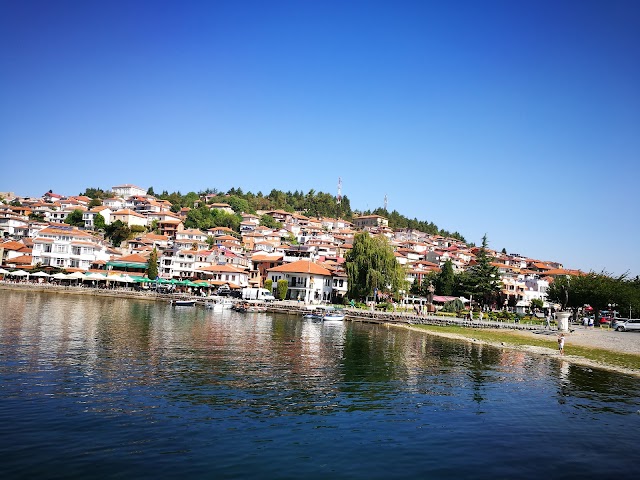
<point x="309" y="253"/>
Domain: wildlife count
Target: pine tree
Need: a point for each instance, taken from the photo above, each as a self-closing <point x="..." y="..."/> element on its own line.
<point x="483" y="280"/>
<point x="446" y="280"/>
<point x="152" y="264"/>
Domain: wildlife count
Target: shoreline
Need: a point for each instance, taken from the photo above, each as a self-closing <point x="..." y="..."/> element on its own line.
<point x="530" y="349"/>
<point x="594" y="339"/>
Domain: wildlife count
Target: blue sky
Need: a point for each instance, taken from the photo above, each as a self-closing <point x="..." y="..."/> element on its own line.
<point x="520" y="120"/>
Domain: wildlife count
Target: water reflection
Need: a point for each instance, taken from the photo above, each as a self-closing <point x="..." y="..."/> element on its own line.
<point x="256" y="379"/>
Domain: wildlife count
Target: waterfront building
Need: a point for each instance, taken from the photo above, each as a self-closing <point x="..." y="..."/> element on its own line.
<point x="233" y="276"/>
<point x="67" y="247"/>
<point x="307" y="281"/>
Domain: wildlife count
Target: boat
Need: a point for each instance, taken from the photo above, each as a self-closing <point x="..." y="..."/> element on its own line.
<point x="182" y="303"/>
<point x="246" y="307"/>
<point x="333" y="316"/>
<point x="216" y="307"/>
<point x="226" y="303"/>
<point x="325" y="313"/>
<point x="314" y="315"/>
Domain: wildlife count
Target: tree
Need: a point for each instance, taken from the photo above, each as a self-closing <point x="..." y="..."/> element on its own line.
<point x="95" y="193"/>
<point x="98" y="222"/>
<point x="599" y="290"/>
<point x="537" y="303"/>
<point x="152" y="264"/>
<point x="75" y="218"/>
<point x="282" y="288"/>
<point x="372" y="267"/>
<point x="446" y="280"/>
<point x="483" y="281"/>
<point x="117" y="232"/>
<point x="151" y="192"/>
<point x="95" y="202"/>
<point x="268" y="284"/>
<point x="270" y="222"/>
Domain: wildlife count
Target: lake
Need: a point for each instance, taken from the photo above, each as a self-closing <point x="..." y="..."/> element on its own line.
<point x="119" y="388"/>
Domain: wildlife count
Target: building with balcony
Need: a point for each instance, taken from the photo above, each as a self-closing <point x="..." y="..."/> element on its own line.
<point x="67" y="247"/>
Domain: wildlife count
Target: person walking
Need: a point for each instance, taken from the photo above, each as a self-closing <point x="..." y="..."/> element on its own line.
<point x="548" y="324"/>
<point x="561" y="344"/>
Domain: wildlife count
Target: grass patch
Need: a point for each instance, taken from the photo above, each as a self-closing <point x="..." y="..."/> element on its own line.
<point x="607" y="357"/>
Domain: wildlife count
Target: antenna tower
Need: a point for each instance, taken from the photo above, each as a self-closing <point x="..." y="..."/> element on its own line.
<point x="339" y="197"/>
<point x="385" y="202"/>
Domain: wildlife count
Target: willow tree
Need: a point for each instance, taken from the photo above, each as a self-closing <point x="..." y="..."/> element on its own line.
<point x="372" y="267"/>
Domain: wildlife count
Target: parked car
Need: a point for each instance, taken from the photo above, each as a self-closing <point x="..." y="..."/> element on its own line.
<point x="605" y="321"/>
<point x="618" y="321"/>
<point x="632" y="324"/>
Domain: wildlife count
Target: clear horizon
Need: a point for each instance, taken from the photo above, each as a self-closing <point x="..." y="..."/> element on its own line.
<point x="515" y="119"/>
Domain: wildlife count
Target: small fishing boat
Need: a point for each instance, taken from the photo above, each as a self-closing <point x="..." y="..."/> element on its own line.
<point x="325" y="313"/>
<point x="333" y="316"/>
<point x="246" y="307"/>
<point x="177" y="302"/>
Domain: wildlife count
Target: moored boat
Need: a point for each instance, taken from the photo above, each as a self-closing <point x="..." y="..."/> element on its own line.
<point x="182" y="302"/>
<point x="334" y="316"/>
<point x="246" y="307"/>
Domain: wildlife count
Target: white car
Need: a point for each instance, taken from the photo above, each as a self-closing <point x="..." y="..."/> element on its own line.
<point x="632" y="324"/>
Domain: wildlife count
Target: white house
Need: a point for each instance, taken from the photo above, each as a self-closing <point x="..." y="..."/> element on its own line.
<point x="307" y="281"/>
<point x="115" y="203"/>
<point x="238" y="277"/>
<point x="187" y="237"/>
<point x="11" y="224"/>
<point x="128" y="190"/>
<point x="89" y="216"/>
<point x="67" y="247"/>
<point x="129" y="217"/>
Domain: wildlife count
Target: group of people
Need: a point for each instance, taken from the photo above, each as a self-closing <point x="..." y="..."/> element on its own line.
<point x="587" y="322"/>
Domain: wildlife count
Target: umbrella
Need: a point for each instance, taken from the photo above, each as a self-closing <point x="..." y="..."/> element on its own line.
<point x="3" y="271"/>
<point x="126" y="278"/>
<point x="143" y="280"/>
<point x="39" y="274"/>
<point x="76" y="276"/>
<point x="115" y="278"/>
<point x="19" y="273"/>
<point x="95" y="276"/>
<point x="59" y="276"/>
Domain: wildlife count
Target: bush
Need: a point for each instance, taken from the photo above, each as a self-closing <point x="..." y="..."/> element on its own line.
<point x="453" y="306"/>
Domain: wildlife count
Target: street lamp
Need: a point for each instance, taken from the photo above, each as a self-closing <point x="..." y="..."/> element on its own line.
<point x="612" y="307"/>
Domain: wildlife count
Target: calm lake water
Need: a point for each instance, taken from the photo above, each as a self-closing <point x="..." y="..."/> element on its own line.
<point x="114" y="388"/>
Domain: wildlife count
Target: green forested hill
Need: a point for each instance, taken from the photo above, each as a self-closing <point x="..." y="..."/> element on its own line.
<point x="311" y="204"/>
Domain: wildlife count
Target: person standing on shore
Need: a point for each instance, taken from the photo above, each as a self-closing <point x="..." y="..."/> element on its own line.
<point x="561" y="344"/>
<point x="548" y="325"/>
